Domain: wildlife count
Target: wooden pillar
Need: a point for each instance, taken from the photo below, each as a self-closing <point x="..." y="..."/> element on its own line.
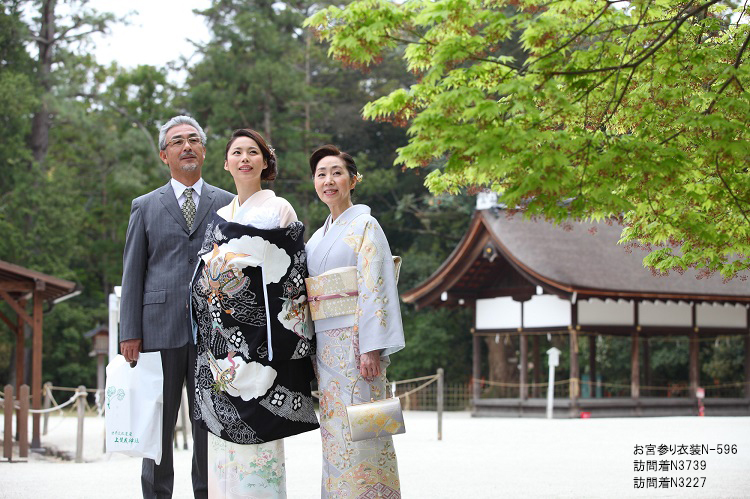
<point x="524" y="388"/>
<point x="476" y="358"/>
<point x="8" y="422"/>
<point x="646" y="363"/>
<point x="575" y="371"/>
<point x="635" y="382"/>
<point x="22" y="422"/>
<point x="694" y="370"/>
<point x="537" y="365"/>
<point x="20" y="347"/>
<point x="36" y="369"/>
<point x="592" y="365"/>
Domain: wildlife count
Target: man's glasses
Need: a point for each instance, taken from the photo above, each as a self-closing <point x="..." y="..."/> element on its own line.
<point x="180" y="141"/>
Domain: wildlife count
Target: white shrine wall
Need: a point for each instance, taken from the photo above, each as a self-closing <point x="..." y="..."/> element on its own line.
<point x="506" y="313"/>
<point x="605" y="312"/>
<point x="665" y="314"/>
<point x="551" y="311"/>
<point x="546" y="311"/>
<point x="498" y="313"/>
<point x="720" y="315"/>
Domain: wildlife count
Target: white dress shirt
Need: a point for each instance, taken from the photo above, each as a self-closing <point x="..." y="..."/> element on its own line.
<point x="179" y="191"/>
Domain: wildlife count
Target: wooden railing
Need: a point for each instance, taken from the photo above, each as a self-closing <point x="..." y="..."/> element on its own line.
<point x="20" y="407"/>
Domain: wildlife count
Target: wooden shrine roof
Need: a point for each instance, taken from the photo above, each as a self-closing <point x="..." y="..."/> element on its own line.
<point x="577" y="257"/>
<point x="19" y="281"/>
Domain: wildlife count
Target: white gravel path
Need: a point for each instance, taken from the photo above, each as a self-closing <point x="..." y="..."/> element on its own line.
<point x="477" y="458"/>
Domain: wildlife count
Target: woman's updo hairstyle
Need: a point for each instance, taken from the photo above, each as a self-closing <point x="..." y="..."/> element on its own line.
<point x="331" y="150"/>
<point x="269" y="156"/>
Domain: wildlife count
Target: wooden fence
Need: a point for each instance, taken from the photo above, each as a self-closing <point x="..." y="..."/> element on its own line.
<point x="19" y="406"/>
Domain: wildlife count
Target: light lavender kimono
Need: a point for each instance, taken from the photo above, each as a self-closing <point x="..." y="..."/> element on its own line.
<point x="351" y="469"/>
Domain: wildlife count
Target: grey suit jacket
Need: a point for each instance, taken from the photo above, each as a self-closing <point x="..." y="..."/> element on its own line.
<point x="158" y="263"/>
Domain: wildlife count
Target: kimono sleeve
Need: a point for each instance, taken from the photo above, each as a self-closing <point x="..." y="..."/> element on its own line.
<point x="378" y="314"/>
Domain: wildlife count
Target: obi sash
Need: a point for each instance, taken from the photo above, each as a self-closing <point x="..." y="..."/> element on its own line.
<point x="334" y="293"/>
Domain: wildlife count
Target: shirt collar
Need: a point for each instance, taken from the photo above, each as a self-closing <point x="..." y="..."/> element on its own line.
<point x="179" y="187"/>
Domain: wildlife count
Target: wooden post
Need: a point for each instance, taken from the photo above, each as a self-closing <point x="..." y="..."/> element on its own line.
<point x="575" y="371"/>
<point x="693" y="369"/>
<point x="20" y="347"/>
<point x="635" y="382"/>
<point x="476" y="373"/>
<point x="592" y="366"/>
<point x="36" y="369"/>
<point x="81" y="406"/>
<point x="537" y="365"/>
<point x="524" y="388"/>
<point x="440" y="388"/>
<point x="22" y="422"/>
<point x="47" y="404"/>
<point x="8" y="423"/>
<point x="646" y="365"/>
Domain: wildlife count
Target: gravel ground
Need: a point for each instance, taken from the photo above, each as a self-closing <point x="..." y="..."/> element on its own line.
<point x="477" y="458"/>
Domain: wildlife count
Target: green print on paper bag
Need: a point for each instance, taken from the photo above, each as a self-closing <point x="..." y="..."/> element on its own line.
<point x="112" y="391"/>
<point x="124" y="437"/>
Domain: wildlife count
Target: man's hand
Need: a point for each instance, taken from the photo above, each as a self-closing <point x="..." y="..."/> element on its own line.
<point x="130" y="349"/>
<point x="369" y="365"/>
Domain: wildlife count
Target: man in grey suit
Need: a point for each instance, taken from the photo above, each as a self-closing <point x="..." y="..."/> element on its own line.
<point x="164" y="235"/>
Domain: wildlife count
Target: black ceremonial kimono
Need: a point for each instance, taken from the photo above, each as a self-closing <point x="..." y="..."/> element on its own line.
<point x="252" y="332"/>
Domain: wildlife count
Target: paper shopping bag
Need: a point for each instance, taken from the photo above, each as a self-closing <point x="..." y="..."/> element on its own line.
<point x="133" y="403"/>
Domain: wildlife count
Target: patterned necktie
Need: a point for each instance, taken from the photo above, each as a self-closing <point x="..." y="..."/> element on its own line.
<point x="188" y="207"/>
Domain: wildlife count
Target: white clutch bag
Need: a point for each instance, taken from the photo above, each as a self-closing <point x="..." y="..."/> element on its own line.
<point x="377" y="418"/>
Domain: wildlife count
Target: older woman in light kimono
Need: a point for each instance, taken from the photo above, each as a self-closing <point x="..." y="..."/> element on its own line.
<point x="355" y="332"/>
<point x="253" y="370"/>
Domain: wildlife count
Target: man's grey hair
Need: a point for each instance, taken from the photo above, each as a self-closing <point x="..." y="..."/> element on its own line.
<point x="179" y="120"/>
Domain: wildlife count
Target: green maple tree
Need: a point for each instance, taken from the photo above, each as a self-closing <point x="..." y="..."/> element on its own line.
<point x="576" y="109"/>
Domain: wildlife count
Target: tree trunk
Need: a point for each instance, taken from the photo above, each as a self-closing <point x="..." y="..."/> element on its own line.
<point x="306" y="135"/>
<point x="267" y="118"/>
<point x="40" y="123"/>
<point x="500" y="370"/>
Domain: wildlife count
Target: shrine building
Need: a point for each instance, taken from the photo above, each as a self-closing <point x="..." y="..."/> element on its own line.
<point x="532" y="279"/>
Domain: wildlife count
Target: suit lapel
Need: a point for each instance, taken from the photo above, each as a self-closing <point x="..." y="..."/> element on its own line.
<point x="204" y="206"/>
<point x="168" y="199"/>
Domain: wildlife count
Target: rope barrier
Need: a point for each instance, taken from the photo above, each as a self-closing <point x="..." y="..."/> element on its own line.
<point x="432" y="380"/>
<point x="727" y="385"/>
<point x="415" y="379"/>
<point x="59" y="407"/>
<point x="66" y="389"/>
<point x="608" y="385"/>
<point x="72" y="399"/>
<point x="517" y="385"/>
